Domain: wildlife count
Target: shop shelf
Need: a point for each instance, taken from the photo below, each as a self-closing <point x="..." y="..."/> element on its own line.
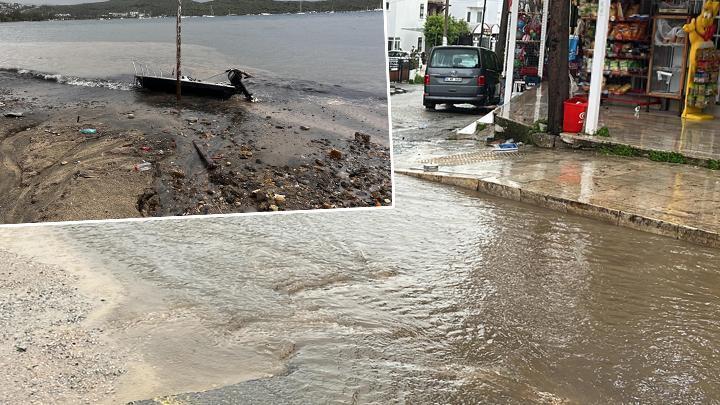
<point x="624" y="20"/>
<point x="634" y="41"/>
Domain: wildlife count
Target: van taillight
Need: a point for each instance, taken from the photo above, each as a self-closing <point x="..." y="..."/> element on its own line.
<point x="427" y="79"/>
<point x="481" y="81"/>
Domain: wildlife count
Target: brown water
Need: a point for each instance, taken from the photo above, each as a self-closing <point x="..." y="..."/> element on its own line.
<point x="449" y="298"/>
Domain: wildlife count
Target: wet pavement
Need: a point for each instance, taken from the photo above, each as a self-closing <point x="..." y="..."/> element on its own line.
<point x="679" y="201"/>
<point x="452" y="297"/>
<point x="654" y="130"/>
<point x="675" y="200"/>
<point x="414" y="126"/>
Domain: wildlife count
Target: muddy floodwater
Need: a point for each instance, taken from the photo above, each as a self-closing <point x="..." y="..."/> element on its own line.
<point x="450" y="298"/>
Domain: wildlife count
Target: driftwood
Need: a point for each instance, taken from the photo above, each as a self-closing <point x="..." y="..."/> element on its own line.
<point x="209" y="163"/>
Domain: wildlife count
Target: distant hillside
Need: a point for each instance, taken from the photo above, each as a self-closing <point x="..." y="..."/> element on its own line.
<point x="169" y="7"/>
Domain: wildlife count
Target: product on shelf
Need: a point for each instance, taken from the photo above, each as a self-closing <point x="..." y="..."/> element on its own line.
<point x="527" y="51"/>
<point x="705" y="82"/>
<point x="627" y="52"/>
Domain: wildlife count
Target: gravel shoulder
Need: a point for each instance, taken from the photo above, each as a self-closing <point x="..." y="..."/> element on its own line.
<point x="51" y="348"/>
<point x="75" y="328"/>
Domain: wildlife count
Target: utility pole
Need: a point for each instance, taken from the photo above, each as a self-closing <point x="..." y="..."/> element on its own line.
<point x="445" y="27"/>
<point x="482" y="24"/>
<point x="557" y="51"/>
<point x="178" y="42"/>
<point x="502" y="35"/>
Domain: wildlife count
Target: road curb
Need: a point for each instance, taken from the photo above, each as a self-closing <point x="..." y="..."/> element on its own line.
<point x="608" y="215"/>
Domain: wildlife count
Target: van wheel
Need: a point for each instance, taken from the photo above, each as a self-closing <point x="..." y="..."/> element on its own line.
<point x="430" y="106"/>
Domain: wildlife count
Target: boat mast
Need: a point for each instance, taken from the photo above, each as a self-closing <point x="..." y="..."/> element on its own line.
<point x="178" y="43"/>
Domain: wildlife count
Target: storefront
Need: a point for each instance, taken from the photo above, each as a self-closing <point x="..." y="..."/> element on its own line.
<point x="643" y="55"/>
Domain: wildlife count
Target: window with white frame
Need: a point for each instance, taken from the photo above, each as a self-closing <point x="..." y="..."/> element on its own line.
<point x="387" y="5"/>
<point x="393" y="43"/>
<point x="422" y="11"/>
<point x="468" y="16"/>
<point x="479" y="17"/>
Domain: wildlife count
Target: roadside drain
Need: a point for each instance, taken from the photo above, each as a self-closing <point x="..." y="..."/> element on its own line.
<point x="473" y="157"/>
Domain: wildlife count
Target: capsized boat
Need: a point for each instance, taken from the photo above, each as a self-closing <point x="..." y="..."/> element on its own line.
<point x="160" y="81"/>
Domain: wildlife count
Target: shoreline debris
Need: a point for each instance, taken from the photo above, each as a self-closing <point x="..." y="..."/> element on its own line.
<point x="206" y="159"/>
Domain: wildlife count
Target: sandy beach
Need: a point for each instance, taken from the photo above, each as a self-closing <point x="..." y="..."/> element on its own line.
<point x="72" y="330"/>
<point x="302" y="146"/>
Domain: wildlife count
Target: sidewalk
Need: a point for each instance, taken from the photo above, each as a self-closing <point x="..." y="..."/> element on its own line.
<point x="659" y="131"/>
<point x="679" y="201"/>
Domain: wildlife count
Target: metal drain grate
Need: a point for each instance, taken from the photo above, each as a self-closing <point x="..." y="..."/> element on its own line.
<point x="473" y="157"/>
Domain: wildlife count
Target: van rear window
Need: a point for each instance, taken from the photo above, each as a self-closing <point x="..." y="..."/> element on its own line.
<point x="454" y="58"/>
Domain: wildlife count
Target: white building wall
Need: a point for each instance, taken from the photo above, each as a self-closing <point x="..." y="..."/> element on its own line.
<point x="404" y="21"/>
<point x="460" y="8"/>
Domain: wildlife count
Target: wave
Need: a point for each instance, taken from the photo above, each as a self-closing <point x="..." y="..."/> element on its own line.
<point x="72" y="80"/>
<point x="307" y="87"/>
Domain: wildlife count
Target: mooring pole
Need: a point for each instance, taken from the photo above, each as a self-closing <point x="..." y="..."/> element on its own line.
<point x="178" y="42"/>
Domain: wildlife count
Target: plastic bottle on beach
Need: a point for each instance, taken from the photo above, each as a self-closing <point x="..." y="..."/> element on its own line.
<point x="143" y="167"/>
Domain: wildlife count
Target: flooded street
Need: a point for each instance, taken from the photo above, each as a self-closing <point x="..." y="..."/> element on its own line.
<point x="413" y="122"/>
<point x="452" y="297"/>
<point x="419" y="133"/>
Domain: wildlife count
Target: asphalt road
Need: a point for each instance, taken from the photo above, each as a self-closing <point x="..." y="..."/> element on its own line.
<point x="413" y="122"/>
<point x="418" y="132"/>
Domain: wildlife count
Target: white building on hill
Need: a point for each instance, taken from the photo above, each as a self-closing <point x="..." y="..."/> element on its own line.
<point x="406" y="19"/>
<point x="405" y="22"/>
<point x="472" y="12"/>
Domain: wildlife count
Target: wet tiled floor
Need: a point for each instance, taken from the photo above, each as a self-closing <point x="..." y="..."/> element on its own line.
<point x="654" y="130"/>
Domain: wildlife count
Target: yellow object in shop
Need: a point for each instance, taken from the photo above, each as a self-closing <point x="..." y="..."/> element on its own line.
<point x="698" y="30"/>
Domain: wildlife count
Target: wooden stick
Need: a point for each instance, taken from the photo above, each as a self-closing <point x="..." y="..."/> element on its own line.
<point x="207" y="160"/>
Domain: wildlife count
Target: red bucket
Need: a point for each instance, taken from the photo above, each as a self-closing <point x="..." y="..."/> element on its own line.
<point x="574" y="114"/>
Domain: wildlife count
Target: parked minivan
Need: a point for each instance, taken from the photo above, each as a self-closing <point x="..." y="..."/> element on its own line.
<point x="462" y="75"/>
